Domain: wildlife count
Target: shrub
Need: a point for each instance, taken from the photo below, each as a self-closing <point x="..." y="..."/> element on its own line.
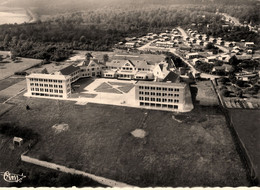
<point x="225" y="92"/>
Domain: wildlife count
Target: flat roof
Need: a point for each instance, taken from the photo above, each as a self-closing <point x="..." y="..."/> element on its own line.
<point x="162" y="84"/>
<point x="48" y="76"/>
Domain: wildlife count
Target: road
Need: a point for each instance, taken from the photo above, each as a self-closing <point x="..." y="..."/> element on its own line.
<point x="183" y="33"/>
<point x="146" y="46"/>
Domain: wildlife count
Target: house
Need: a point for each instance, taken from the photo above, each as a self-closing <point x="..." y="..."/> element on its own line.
<point x="143" y="76"/>
<point x="193" y="40"/>
<point x="91" y="68"/>
<point x="192" y="55"/>
<point x="164" y="44"/>
<point x="160" y="71"/>
<point x="187" y="38"/>
<point x="195" y="61"/>
<point x="130" y="44"/>
<point x="213" y="40"/>
<point x="205" y="38"/>
<point x="220" y="42"/>
<point x="225" y="68"/>
<point x="224" y="58"/>
<point x="174" y="37"/>
<point x="249" y="44"/>
<point x="211" y="59"/>
<point x="246" y="77"/>
<point x="198" y="36"/>
<point x="228" y="44"/>
<point x="200" y="42"/>
<point x="168" y="95"/>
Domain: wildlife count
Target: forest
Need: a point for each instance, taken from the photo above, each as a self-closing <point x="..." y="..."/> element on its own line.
<point x="56" y="36"/>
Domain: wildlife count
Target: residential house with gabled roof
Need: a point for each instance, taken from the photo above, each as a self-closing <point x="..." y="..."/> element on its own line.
<point x="160" y="71"/>
<point x="91" y="68"/>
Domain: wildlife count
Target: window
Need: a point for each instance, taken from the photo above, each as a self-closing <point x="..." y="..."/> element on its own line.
<point x="164" y="89"/>
<point x="55" y="81"/>
<point x="60" y="86"/>
<point x="141" y="92"/>
<point x="164" y="100"/>
<point x="158" y="94"/>
<point x="164" y="94"/>
<point x="141" y="87"/>
<point x="170" y="100"/>
<point x="35" y="79"/>
<point x="158" y="88"/>
<point x="51" y="90"/>
<point x="55" y="86"/>
<point x="158" y="99"/>
<point x="177" y="90"/>
<point x="176" y="95"/>
<point x="141" y="103"/>
<point x="40" y="80"/>
<point x="45" y="80"/>
<point x="176" y="101"/>
<point x="146" y="98"/>
<point x="32" y="84"/>
<point x="41" y="89"/>
<point x="50" y="85"/>
<point x="60" y="81"/>
<point x="45" y="85"/>
<point x="170" y="89"/>
<point x="32" y="89"/>
<point x="50" y="80"/>
<point x="175" y="106"/>
<point x="153" y="99"/>
<point x="41" y="85"/>
<point x="60" y="91"/>
<point x="55" y="91"/>
<point x="153" y="93"/>
<point x="141" y="98"/>
<point x="46" y="90"/>
<point x="36" y="84"/>
<point x="152" y="88"/>
<point x="146" y="93"/>
<point x="36" y="89"/>
<point x="170" y="106"/>
<point x="170" y="94"/>
<point x="146" y="87"/>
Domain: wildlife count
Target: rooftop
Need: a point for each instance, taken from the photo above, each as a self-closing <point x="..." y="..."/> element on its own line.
<point x="161" y="84"/>
<point x="69" y="70"/>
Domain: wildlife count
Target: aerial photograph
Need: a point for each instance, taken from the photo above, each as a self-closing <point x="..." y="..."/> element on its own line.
<point x="129" y="93"/>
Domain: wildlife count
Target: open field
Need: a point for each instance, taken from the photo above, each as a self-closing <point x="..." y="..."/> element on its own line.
<point x="8" y="68"/>
<point x="246" y="124"/>
<point x="191" y="149"/>
<point x="5" y="83"/>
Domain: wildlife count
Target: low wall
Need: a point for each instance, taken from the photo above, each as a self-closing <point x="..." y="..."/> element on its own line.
<point x="101" y="180"/>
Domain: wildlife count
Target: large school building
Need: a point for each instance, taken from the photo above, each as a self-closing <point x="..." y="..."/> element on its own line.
<point x="165" y="92"/>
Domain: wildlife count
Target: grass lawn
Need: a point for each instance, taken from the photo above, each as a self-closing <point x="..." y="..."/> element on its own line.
<point x="12" y="67"/>
<point x="196" y="150"/>
<point x="105" y="87"/>
<point x="246" y="124"/>
<point x="5" y="83"/>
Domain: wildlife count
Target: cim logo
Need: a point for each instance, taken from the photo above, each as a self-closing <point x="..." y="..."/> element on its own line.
<point x="12" y="178"/>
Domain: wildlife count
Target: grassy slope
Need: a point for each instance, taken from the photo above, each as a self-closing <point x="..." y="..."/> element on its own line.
<point x="197" y="152"/>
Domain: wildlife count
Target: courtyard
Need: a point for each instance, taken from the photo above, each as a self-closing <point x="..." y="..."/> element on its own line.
<point x="177" y="150"/>
<point x="104" y="91"/>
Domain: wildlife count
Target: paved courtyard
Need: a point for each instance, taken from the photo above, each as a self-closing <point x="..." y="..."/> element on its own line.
<point x="107" y="91"/>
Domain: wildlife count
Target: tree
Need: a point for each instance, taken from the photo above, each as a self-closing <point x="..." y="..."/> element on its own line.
<point x="105" y="58"/>
<point x="225" y="92"/>
<point x="83" y="39"/>
<point x="233" y="61"/>
<point x="45" y="71"/>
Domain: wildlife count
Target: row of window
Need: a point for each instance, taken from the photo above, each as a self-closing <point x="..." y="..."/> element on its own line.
<point x="47" y="85"/>
<point x="46" y="90"/>
<point x="158" y="94"/>
<point x="159" y="88"/>
<point x="46" y="80"/>
<point x="49" y="95"/>
<point x="139" y="69"/>
<point x="93" y="69"/>
<point x="159" y="99"/>
<point x="158" y="105"/>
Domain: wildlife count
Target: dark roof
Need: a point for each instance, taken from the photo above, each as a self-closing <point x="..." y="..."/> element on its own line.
<point x="172" y="77"/>
<point x="69" y="70"/>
